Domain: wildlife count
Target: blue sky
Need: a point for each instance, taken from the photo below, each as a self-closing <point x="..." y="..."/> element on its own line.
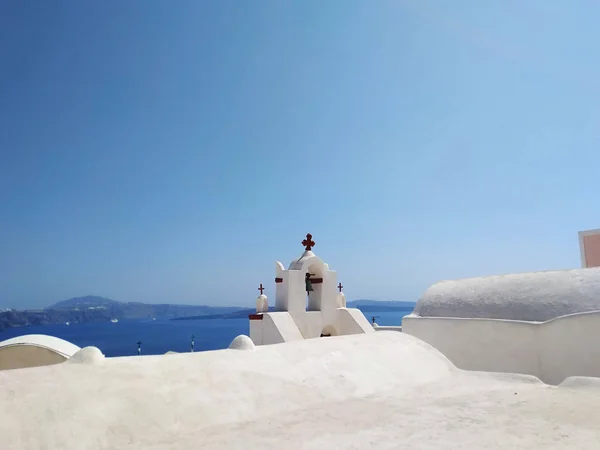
<point x="172" y="151"/>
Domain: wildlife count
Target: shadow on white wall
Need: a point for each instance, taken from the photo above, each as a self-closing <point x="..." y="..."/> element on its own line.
<point x="552" y="351"/>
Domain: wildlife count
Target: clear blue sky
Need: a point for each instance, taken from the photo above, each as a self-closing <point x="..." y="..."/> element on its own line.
<point x="172" y="151"/>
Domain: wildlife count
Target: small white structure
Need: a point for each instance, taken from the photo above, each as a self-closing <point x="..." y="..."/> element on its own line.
<point x="301" y="314"/>
<point x="262" y="302"/>
<point x="34" y="350"/>
<point x="341" y="298"/>
<point x="87" y="355"/>
<point x="544" y="324"/>
<point x="242" y="342"/>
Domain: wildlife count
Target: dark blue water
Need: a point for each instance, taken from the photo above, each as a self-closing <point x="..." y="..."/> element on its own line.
<point x="161" y="336"/>
<point x="392" y="318"/>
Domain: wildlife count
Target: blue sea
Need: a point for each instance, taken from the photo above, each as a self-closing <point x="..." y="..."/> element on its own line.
<point x="160" y="336"/>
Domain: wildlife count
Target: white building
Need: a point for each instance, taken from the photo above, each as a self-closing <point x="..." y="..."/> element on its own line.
<point x="300" y="315"/>
<point x="544" y="324"/>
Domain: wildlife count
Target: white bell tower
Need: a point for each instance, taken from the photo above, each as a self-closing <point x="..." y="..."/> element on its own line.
<point x="291" y="293"/>
<point x="307" y="304"/>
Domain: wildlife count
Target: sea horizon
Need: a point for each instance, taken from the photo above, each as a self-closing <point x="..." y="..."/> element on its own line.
<point x="160" y="336"/>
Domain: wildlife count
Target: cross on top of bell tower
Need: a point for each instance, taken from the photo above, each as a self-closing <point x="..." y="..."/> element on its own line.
<point x="308" y="242"/>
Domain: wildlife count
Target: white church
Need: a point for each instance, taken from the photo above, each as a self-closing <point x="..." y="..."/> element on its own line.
<point x="307" y="304"/>
<point x="505" y="361"/>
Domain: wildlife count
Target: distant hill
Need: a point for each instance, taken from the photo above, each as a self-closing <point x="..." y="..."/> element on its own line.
<point x="363" y="305"/>
<point x="89" y="301"/>
<point x="241" y="314"/>
<point x="137" y="310"/>
<point x="99" y="309"/>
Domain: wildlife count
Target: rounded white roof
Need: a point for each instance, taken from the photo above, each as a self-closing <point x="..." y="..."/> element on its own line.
<point x="534" y="296"/>
<point x="55" y="344"/>
<point x="297" y="264"/>
<point x="87" y="355"/>
<point x="242" y="342"/>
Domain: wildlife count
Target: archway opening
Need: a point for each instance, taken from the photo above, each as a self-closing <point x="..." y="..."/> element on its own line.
<point x="329" y="331"/>
<point x="313" y="299"/>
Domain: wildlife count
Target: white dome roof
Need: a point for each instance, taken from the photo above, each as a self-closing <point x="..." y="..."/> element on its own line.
<point x="87" y="355"/>
<point x="297" y="264"/>
<point x="242" y="342"/>
<point x="534" y="296"/>
<point x="60" y="346"/>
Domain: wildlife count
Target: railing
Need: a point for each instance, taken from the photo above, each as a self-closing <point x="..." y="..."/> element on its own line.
<point x="387" y="328"/>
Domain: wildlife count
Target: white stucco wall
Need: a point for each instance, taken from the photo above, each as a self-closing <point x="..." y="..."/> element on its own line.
<point x="278" y="327"/>
<point x="256" y="333"/>
<point x="310" y="323"/>
<point x="295" y="291"/>
<point x="570" y="346"/>
<point x="281" y="289"/>
<point x="34" y="350"/>
<point x="353" y="321"/>
<point x="20" y="356"/>
<point x="387" y="328"/>
<point x="552" y="351"/>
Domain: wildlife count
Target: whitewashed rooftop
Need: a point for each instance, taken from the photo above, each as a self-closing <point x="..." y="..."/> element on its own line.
<point x="383" y="390"/>
<point x="534" y="296"/>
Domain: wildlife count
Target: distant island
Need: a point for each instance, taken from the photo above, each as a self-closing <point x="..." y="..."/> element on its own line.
<point x="370" y="306"/>
<point x="99" y="309"/>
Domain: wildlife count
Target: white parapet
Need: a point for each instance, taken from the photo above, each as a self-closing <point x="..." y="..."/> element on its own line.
<point x="541" y="323"/>
<point x="353" y="321"/>
<point x="273" y="328"/>
<point x="387" y="328"/>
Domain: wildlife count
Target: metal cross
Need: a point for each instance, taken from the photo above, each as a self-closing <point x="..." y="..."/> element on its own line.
<point x="308" y="242"/>
<point x="261" y="289"/>
<point x="340" y="287"/>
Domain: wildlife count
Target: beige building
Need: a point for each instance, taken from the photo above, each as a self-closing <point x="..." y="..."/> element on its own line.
<point x="589" y="246"/>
